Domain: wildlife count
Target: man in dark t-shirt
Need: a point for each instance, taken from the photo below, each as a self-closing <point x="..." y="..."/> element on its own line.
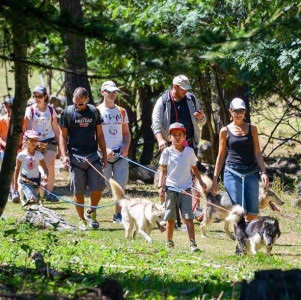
<point x="80" y="136"/>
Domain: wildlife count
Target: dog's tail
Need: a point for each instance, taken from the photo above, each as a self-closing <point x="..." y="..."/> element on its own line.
<point x="208" y="181"/>
<point x="236" y="214"/>
<point x="117" y="191"/>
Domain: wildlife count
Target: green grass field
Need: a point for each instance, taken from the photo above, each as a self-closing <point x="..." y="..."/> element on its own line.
<point x="146" y="271"/>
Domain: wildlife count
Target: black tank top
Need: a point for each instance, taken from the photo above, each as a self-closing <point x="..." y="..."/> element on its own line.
<point x="240" y="149"/>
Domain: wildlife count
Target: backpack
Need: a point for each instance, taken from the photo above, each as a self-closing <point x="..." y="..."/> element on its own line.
<point x="165" y="97"/>
<point x="50" y="108"/>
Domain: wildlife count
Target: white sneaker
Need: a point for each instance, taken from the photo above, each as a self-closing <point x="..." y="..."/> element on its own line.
<point x="83" y="226"/>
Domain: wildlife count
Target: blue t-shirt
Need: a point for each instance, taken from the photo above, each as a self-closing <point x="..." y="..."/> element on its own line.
<point x="82" y="138"/>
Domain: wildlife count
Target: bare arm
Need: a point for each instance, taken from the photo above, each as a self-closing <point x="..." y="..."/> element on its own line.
<point x="16" y="174"/>
<point x="63" y="146"/>
<point x="162" y="182"/>
<point x="222" y="150"/>
<point x="29" y="124"/>
<point x="124" y="151"/>
<point x="197" y="175"/>
<point x="101" y="144"/>
<point x="258" y="156"/>
<point x="55" y="128"/>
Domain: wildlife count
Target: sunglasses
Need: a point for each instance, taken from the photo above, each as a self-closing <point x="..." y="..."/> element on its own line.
<point x="38" y="96"/>
<point x="80" y="104"/>
<point x="114" y="92"/>
<point x="239" y="111"/>
<point x="32" y="140"/>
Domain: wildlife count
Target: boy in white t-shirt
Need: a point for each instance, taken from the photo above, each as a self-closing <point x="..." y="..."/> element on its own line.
<point x="118" y="138"/>
<point x="177" y="162"/>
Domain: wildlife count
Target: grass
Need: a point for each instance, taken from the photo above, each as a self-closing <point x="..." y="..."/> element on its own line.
<point x="146" y="271"/>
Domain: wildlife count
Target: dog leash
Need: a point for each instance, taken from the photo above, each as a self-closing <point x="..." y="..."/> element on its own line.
<point x="132" y="161"/>
<point x="62" y="198"/>
<point x="178" y="190"/>
<point x="142" y="166"/>
<point x="242" y="176"/>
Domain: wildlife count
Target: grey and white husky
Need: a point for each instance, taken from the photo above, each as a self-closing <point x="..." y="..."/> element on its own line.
<point x="250" y="237"/>
<point x="218" y="207"/>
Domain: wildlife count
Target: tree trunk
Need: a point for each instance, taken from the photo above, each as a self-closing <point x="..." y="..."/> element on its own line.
<point x="146" y="94"/>
<point x="75" y="59"/>
<point x="22" y="93"/>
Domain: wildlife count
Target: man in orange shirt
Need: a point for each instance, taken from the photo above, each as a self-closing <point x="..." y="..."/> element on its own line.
<point x="4" y="126"/>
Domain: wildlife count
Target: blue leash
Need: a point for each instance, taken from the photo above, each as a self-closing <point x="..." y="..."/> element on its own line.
<point x="54" y="196"/>
<point x="119" y="155"/>
<point x="242" y="176"/>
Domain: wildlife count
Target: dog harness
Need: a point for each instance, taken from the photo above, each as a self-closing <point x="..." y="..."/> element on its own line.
<point x="242" y="176"/>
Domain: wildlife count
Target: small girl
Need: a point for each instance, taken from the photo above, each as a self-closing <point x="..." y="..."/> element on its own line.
<point x="27" y="170"/>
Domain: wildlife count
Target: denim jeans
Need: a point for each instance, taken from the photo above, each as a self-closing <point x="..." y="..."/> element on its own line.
<point x="233" y="185"/>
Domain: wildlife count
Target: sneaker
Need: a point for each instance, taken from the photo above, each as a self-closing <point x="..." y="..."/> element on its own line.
<point x="117" y="218"/>
<point x="30" y="202"/>
<point x="82" y="225"/>
<point x="14" y="196"/>
<point x="51" y="197"/>
<point x="193" y="246"/>
<point x="90" y="217"/>
<point x="170" y="244"/>
<point x="184" y="228"/>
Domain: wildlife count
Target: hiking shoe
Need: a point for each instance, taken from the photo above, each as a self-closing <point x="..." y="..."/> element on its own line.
<point x="14" y="196"/>
<point x="117" y="218"/>
<point x="193" y="246"/>
<point x="51" y="197"/>
<point x="90" y="217"/>
<point x="30" y="202"/>
<point x="170" y="244"/>
<point x="184" y="228"/>
<point x="83" y="225"/>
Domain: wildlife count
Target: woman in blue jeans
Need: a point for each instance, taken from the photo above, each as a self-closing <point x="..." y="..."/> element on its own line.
<point x="240" y="151"/>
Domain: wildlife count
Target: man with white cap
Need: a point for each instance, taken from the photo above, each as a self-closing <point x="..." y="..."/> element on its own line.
<point x="118" y="138"/>
<point x="178" y="105"/>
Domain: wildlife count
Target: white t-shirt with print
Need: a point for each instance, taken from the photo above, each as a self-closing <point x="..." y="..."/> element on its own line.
<point x="29" y="166"/>
<point x="178" y="166"/>
<point x="112" y="126"/>
<point x="41" y="121"/>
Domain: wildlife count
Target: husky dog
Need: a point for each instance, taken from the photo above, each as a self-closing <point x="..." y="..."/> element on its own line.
<point x="263" y="231"/>
<point x="217" y="207"/>
<point x="138" y="215"/>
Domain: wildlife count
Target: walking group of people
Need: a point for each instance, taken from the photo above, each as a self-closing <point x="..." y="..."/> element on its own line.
<point x="94" y="140"/>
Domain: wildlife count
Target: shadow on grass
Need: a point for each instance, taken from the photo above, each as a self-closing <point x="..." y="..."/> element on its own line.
<point x="38" y="284"/>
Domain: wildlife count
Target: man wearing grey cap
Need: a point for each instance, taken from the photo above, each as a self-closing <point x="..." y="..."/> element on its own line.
<point x="178" y="105"/>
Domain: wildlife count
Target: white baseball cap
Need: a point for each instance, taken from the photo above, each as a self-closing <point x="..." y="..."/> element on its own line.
<point x="182" y="81"/>
<point x="110" y="86"/>
<point x="237" y="103"/>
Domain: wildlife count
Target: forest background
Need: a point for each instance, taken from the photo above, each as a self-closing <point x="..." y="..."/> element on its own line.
<point x="247" y="49"/>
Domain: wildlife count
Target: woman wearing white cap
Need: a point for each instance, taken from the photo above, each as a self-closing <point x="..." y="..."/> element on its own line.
<point x="42" y="118"/>
<point x="240" y="151"/>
